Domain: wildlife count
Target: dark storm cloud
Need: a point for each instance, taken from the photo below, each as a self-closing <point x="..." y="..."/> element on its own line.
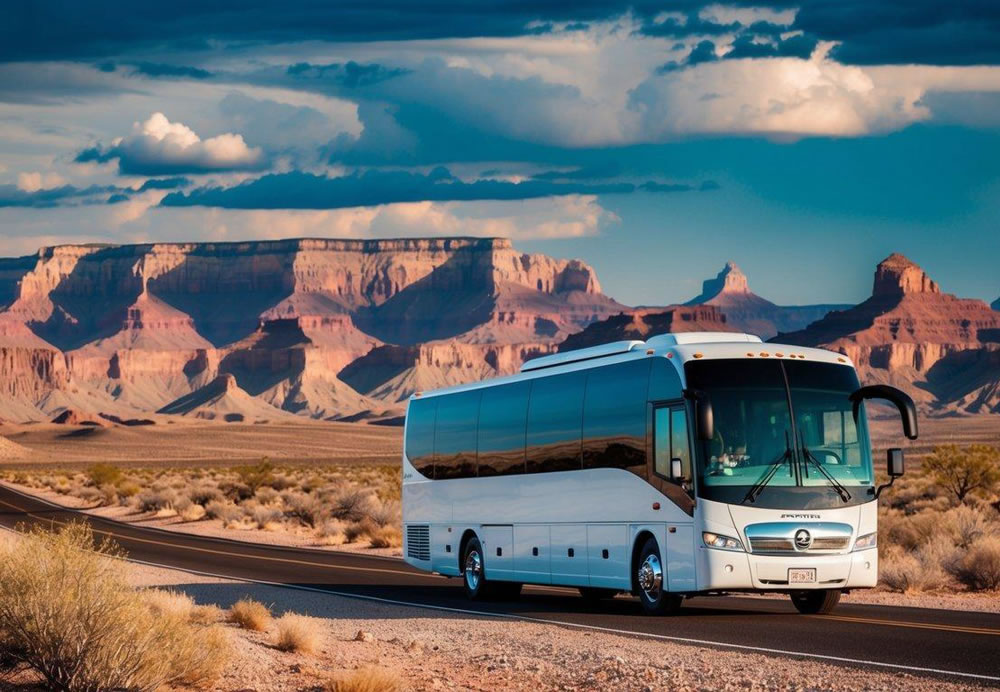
<point x="154" y="69"/>
<point x="13" y="196"/>
<point x="883" y="31"/>
<point x="298" y="190"/>
<point x="349" y="74"/>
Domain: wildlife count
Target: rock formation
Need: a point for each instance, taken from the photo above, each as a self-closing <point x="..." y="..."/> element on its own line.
<point x="647" y="322"/>
<point x="126" y="330"/>
<point x="995" y="304"/>
<point x="222" y="399"/>
<point x="944" y="350"/>
<point x="748" y="312"/>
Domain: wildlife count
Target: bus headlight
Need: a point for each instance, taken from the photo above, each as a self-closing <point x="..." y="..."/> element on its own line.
<point x="714" y="540"/>
<point x="869" y="540"/>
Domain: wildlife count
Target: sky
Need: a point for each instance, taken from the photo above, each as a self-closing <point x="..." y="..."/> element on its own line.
<point x="805" y="140"/>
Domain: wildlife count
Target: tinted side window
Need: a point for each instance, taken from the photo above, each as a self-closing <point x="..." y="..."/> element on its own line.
<point x="420" y="435"/>
<point x="555" y="413"/>
<point x="614" y="417"/>
<point x="671" y="440"/>
<point x="502" y="417"/>
<point x="455" y="435"/>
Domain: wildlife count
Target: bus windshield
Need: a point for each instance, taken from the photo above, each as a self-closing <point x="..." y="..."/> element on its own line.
<point x="785" y="434"/>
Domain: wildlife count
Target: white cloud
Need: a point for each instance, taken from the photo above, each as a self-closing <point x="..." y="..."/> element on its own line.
<point x="158" y="144"/>
<point x="746" y="16"/>
<point x="33" y="181"/>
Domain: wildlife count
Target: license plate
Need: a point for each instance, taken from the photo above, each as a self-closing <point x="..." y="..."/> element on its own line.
<point x="802" y="576"/>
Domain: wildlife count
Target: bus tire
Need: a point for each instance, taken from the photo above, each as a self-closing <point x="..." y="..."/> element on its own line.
<point x="474" y="571"/>
<point x="816" y="601"/>
<point x="594" y="593"/>
<point x="650" y="578"/>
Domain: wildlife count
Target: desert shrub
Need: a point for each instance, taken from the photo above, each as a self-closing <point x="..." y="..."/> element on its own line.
<point x="920" y="570"/>
<point x="353" y="530"/>
<point x="351" y="504"/>
<point x="236" y="491"/>
<point x="155" y="499"/>
<point x="282" y="482"/>
<point x="368" y="679"/>
<point x="226" y="511"/>
<point x="68" y="613"/>
<point x="250" y="615"/>
<point x="266" y="495"/>
<point x="264" y="516"/>
<point x="331" y="532"/>
<point x="296" y="633"/>
<point x="384" y="513"/>
<point x="390" y="536"/>
<point x="967" y="524"/>
<point x="204" y="494"/>
<point x="104" y="474"/>
<point x="306" y="508"/>
<point x="256" y="475"/>
<point x="975" y="469"/>
<point x="192" y="512"/>
<point x="89" y="494"/>
<point x="979" y="568"/>
<point x="128" y="489"/>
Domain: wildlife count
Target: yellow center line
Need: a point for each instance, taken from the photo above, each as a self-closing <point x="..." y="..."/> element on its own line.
<point x="915" y="625"/>
<point x="285" y="560"/>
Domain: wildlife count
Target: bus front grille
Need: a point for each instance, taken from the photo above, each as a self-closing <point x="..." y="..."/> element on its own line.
<point x="780" y="538"/>
<point x="418" y="542"/>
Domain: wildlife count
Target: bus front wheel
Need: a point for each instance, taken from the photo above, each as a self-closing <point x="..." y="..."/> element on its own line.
<point x="650" y="581"/>
<point x="815" y="602"/>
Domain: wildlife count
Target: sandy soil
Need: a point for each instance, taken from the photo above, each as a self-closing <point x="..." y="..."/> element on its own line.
<point x="205" y="444"/>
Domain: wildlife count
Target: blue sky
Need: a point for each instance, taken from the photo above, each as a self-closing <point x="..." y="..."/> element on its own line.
<point x="804" y="140"/>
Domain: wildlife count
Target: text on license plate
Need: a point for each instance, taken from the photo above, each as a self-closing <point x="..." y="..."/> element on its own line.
<point x="802" y="576"/>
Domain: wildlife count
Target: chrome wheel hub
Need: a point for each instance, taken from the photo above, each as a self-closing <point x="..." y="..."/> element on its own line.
<point x="650" y="577"/>
<point x="473" y="570"/>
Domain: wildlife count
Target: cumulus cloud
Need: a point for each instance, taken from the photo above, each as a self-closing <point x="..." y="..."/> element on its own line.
<point x="158" y="146"/>
<point x="32" y="181"/>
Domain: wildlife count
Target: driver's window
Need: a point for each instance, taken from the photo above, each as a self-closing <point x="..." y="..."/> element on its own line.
<point x="671" y="440"/>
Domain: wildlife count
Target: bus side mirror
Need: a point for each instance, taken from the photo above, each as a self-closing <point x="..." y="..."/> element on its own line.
<point x="902" y="400"/>
<point x="704" y="418"/>
<point x="894" y="462"/>
<point x="676" y="470"/>
<point x="894" y="465"/>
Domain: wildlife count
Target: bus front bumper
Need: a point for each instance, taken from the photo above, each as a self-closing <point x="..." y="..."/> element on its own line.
<point x="725" y="570"/>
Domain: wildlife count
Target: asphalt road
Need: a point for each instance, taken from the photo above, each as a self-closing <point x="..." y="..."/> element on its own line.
<point x="961" y="646"/>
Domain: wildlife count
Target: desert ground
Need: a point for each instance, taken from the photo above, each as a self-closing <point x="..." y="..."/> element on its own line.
<point x="343" y="642"/>
<point x="203" y="444"/>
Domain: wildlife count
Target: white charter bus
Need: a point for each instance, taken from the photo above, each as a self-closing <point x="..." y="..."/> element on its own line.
<point x="686" y="464"/>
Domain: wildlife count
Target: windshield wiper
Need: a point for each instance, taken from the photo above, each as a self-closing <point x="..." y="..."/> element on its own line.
<point x="758" y="487"/>
<point x="841" y="490"/>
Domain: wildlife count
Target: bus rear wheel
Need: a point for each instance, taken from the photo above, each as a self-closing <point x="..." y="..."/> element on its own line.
<point x="816" y="602"/>
<point x="474" y="571"/>
<point x="650" y="582"/>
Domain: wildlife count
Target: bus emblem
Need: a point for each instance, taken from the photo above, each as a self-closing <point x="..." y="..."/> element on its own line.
<point x="803" y="540"/>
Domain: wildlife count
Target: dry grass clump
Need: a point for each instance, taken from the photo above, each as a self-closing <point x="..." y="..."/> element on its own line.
<point x="68" y="613"/>
<point x="368" y="679"/>
<point x="250" y="615"/>
<point x="170" y="603"/>
<point x="297" y="633"/>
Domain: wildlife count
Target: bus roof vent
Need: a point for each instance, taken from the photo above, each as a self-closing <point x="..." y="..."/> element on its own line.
<point x="666" y="340"/>
<point x="603" y="351"/>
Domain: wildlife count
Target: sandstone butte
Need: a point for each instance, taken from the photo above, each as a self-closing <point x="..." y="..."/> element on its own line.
<point x="110" y="333"/>
<point x="348" y="329"/>
<point x="944" y="350"/>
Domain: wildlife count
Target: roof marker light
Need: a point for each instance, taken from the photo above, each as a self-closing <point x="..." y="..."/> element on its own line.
<point x="649" y="351"/>
<point x="749" y="355"/>
<point x="779" y="355"/>
<point x="698" y="355"/>
<point x="764" y="354"/>
<point x="670" y="354"/>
